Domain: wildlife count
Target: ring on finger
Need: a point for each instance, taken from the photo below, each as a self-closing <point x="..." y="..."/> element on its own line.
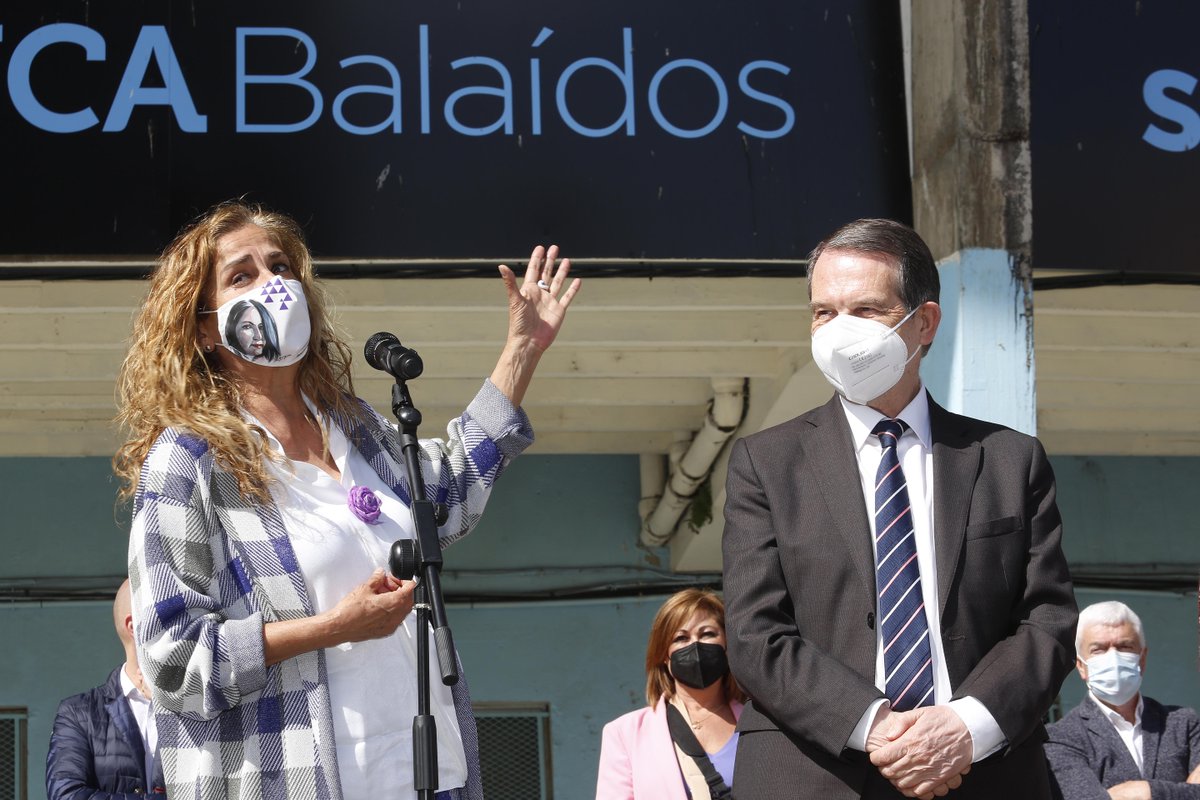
<point x="541" y="284"/>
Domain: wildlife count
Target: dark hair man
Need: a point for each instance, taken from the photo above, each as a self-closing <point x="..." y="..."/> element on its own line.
<point x="899" y="607"/>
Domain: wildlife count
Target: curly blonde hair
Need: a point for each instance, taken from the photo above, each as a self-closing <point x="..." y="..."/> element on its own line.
<point x="167" y="380"/>
<point x="674" y="614"/>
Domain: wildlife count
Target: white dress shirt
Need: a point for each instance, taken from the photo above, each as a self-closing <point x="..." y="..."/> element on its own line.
<point x="372" y="684"/>
<point x="1131" y="734"/>
<point x="915" y="451"/>
<point x="143" y="715"/>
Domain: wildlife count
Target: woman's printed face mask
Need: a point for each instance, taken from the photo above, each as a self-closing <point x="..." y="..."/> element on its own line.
<point x="268" y="325"/>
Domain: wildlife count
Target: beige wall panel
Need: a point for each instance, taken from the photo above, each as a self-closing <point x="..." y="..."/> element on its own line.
<point x="71" y="328"/>
<point x="1184" y="422"/>
<point x="668" y="292"/>
<point x="1141" y="365"/>
<point x="764" y="327"/>
<point x="91" y="362"/>
<point x="1151" y="299"/>
<point x="1140" y="398"/>
<point x="42" y="387"/>
<point x="555" y="391"/>
<point x="1119" y="443"/>
<point x="596" y="360"/>
<point x="1116" y="330"/>
<point x="87" y="295"/>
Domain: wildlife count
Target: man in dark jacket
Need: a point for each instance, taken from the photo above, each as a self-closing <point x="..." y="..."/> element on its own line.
<point x="1119" y="744"/>
<point x="103" y="741"/>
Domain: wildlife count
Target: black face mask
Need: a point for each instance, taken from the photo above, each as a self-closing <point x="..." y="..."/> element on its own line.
<point x="699" y="665"/>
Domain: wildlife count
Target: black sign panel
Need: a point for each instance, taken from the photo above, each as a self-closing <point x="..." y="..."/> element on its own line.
<point x="418" y="130"/>
<point x="1115" y="135"/>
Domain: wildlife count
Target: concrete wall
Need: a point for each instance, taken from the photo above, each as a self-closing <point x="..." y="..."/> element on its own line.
<point x="60" y="518"/>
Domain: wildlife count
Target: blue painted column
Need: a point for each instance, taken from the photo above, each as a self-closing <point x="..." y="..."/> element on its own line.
<point x="981" y="363"/>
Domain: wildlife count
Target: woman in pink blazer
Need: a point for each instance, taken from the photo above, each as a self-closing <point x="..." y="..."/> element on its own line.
<point x="686" y="668"/>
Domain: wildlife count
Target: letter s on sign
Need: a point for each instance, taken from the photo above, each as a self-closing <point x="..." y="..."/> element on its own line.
<point x="1155" y="97"/>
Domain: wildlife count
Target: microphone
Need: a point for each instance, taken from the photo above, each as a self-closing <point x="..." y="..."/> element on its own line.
<point x="384" y="352"/>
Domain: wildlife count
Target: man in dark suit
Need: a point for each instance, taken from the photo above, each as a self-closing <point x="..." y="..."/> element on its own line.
<point x="855" y="531"/>
<point x="1119" y="743"/>
<point x="101" y="738"/>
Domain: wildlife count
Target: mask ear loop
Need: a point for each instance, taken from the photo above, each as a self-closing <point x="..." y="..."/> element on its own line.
<point x="897" y="326"/>
<point x="207" y="349"/>
<point x="907" y="317"/>
<point x="892" y="330"/>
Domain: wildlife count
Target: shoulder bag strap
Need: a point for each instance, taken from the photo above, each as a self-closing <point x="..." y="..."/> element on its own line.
<point x="686" y="741"/>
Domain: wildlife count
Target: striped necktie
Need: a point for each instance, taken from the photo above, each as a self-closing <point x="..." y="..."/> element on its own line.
<point x="907" y="662"/>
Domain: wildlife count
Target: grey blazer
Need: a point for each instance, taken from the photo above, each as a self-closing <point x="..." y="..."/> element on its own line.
<point x="800" y="597"/>
<point x="1087" y="756"/>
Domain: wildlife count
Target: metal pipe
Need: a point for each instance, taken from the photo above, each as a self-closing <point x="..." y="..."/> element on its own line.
<point x="724" y="415"/>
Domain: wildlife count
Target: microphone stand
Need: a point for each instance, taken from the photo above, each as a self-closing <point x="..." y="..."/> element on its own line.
<point x="426" y="563"/>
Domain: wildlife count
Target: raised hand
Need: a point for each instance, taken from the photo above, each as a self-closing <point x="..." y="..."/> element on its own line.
<point x="537" y="307"/>
<point x="536" y="310"/>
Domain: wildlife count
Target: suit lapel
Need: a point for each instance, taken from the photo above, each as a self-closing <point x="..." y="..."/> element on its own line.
<point x="1099" y="726"/>
<point x="122" y="716"/>
<point x="841" y="485"/>
<point x="1153" y="723"/>
<point x="955" y="464"/>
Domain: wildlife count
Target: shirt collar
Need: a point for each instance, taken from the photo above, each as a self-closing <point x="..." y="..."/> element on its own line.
<point x="131" y="691"/>
<point x="863" y="419"/>
<point x="1114" y="717"/>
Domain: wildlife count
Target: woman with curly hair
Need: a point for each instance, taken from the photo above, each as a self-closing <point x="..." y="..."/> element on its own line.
<point x="265" y="498"/>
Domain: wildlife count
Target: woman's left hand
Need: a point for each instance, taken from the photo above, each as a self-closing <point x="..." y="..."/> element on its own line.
<point x="537" y="307"/>
<point x="535" y="313"/>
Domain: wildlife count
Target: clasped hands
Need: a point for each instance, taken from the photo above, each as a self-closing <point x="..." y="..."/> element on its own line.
<point x="923" y="752"/>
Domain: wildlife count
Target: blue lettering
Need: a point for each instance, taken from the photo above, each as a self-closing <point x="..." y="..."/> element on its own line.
<point x="153" y="41"/>
<point x="535" y="82"/>
<point x="626" y="78"/>
<point x="1155" y="97"/>
<point x="722" y="98"/>
<point x="423" y="60"/>
<point x="27" y="105"/>
<point x="292" y="79"/>
<point x="506" y="118"/>
<point x="394" y="91"/>
<point x="789" y="116"/>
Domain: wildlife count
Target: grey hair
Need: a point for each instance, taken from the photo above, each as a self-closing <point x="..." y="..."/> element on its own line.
<point x="1111" y="613"/>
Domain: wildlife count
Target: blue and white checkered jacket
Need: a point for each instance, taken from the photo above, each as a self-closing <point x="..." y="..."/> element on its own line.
<point x="208" y="569"/>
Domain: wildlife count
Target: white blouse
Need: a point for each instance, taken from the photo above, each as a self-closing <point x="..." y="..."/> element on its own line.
<point x="372" y="684"/>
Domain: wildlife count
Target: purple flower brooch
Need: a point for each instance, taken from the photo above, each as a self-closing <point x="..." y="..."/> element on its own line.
<point x="364" y="504"/>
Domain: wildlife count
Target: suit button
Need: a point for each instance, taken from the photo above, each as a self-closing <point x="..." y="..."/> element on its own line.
<point x="871" y="620"/>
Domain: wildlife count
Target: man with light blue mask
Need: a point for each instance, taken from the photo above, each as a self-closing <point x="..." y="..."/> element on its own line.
<point x="898" y="604"/>
<point x="1118" y="742"/>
